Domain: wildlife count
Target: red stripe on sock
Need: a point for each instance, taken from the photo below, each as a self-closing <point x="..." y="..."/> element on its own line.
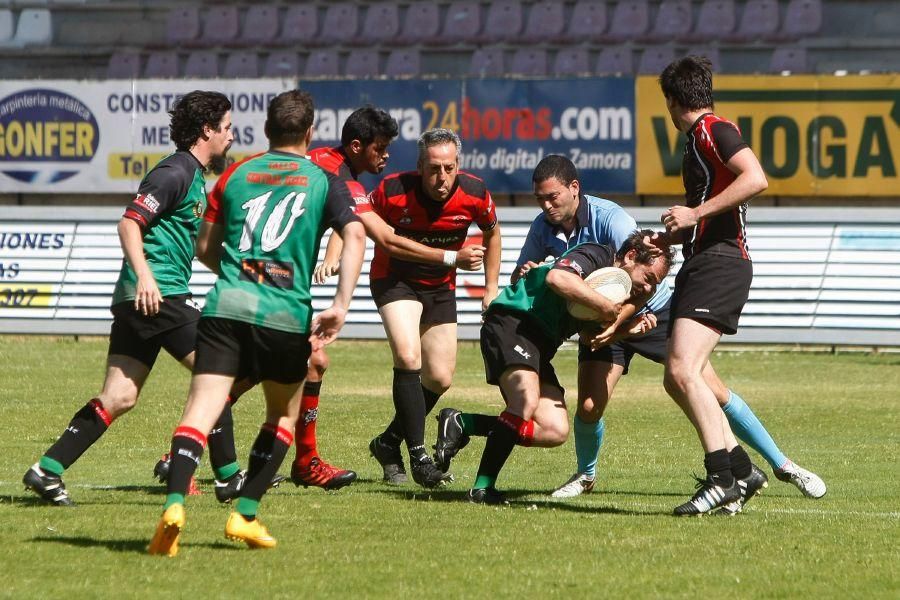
<point x="526" y="433"/>
<point x="283" y="435"/>
<point x="101" y="412"/>
<point x="524" y="428"/>
<point x="190" y="433"/>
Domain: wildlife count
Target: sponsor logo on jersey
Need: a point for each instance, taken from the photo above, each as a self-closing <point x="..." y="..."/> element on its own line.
<point x="147" y="202"/>
<point x="198" y="209"/>
<point x="268" y="272"/>
<point x="567" y="262"/>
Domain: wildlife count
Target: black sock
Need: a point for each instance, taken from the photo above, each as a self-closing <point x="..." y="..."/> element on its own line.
<point x="394" y="431"/>
<point x="186" y="452"/>
<point x="718" y="467"/>
<point x="221" y="441"/>
<point x="409" y="405"/>
<point x="482" y="425"/>
<point x="266" y="456"/>
<point x="740" y="462"/>
<point x="499" y="445"/>
<point x="84" y="429"/>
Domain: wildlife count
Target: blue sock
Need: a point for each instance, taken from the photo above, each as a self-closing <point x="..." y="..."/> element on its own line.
<point x="749" y="430"/>
<point x="588" y="439"/>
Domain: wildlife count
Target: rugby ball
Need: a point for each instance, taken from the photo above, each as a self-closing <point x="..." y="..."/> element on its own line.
<point x="611" y="282"/>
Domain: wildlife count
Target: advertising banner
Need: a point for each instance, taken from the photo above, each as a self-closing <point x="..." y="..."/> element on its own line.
<point x="506" y="126"/>
<point x="96" y="137"/>
<point x="813" y="135"/>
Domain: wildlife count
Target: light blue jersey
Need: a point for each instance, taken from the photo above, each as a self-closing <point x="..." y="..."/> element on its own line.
<point x="597" y="220"/>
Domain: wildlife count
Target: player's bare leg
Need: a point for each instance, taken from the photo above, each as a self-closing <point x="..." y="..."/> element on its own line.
<point x="308" y="468"/>
<point x="125" y="376"/>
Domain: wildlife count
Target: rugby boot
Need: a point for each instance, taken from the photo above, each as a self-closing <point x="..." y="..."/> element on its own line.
<point x="579" y="483"/>
<point x="168" y="532"/>
<point x="231" y="488"/>
<point x="425" y="473"/>
<point x="451" y="438"/>
<point x="490" y="496"/>
<point x="253" y="533"/>
<point x="750" y="486"/>
<point x="806" y="481"/>
<point x="319" y="473"/>
<point x="710" y="495"/>
<point x="48" y="486"/>
<point x="390" y="459"/>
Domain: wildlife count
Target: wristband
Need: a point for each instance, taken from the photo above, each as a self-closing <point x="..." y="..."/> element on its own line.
<point x="449" y="258"/>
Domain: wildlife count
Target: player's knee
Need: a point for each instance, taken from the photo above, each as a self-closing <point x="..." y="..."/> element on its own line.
<point x="407" y="359"/>
<point x="590" y="410"/>
<point x="118" y="402"/>
<point x="676" y="379"/>
<point x="438" y="382"/>
<point x="557" y="433"/>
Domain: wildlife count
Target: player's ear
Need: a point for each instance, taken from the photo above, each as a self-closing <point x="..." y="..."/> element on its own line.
<point x="308" y="138"/>
<point x="575" y="188"/>
<point x="356" y="147"/>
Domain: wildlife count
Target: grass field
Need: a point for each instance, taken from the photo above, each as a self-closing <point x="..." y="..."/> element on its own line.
<point x="837" y="415"/>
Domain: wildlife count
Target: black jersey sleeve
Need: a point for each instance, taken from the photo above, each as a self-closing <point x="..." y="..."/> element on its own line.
<point x="584" y="259"/>
<point x="161" y="191"/>
<point x="727" y="139"/>
<point x="340" y="204"/>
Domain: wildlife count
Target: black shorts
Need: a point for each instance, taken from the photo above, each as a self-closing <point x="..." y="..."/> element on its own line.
<point x="712" y="289"/>
<point x="652" y="345"/>
<point x="438" y="304"/>
<point x="508" y="340"/>
<point x="141" y="337"/>
<point x="229" y="347"/>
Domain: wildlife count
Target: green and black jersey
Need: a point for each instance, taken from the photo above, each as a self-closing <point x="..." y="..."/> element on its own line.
<point x="273" y="208"/>
<point x="531" y="298"/>
<point x="168" y="206"/>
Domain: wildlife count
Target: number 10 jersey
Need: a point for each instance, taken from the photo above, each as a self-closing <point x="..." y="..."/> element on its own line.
<point x="273" y="209"/>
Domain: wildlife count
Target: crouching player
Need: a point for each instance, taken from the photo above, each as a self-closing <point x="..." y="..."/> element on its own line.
<point x="268" y="214"/>
<point x="522" y="330"/>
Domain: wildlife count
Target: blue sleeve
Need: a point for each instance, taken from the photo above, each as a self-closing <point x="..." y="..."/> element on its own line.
<point x="533" y="248"/>
<point x="618" y="226"/>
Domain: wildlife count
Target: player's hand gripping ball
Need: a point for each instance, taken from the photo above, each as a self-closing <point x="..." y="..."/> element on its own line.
<point x="611" y="282"/>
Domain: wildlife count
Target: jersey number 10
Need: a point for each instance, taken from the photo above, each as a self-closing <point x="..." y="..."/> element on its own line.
<point x="271" y="239"/>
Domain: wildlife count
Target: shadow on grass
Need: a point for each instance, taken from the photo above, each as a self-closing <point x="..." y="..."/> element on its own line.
<point x="133" y="546"/>
<point x="518" y="499"/>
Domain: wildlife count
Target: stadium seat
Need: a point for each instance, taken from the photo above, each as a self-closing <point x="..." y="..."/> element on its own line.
<point x="571" y="61"/>
<point x="202" y="64"/>
<point x="299" y="26"/>
<point x="546" y="22"/>
<point x="587" y="23"/>
<point x="503" y="22"/>
<point x="241" y="65"/>
<point x="462" y="24"/>
<point x="789" y="60"/>
<point x="615" y="60"/>
<point x="283" y="63"/>
<point x="380" y="26"/>
<point x="529" y="61"/>
<point x="220" y="27"/>
<point x="362" y="63"/>
<point x="673" y="22"/>
<point x="715" y="21"/>
<point x="340" y="24"/>
<point x="403" y="62"/>
<point x="182" y="26"/>
<point x="322" y="63"/>
<point x="161" y="65"/>
<point x="7" y="27"/>
<point x="802" y="19"/>
<point x="421" y="25"/>
<point x="758" y="20"/>
<point x="630" y="20"/>
<point x="710" y="52"/>
<point x="487" y="62"/>
<point x="260" y="25"/>
<point x="35" y="28"/>
<point x="655" y="59"/>
<point x="124" y="65"/>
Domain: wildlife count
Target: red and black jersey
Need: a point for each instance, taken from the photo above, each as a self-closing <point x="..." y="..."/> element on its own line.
<point x="402" y="202"/>
<point x="711" y="142"/>
<point x="334" y="161"/>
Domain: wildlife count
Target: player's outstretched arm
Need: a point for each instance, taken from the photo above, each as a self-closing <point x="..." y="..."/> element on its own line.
<point x="209" y="246"/>
<point x="329" y="322"/>
<point x="147" y="297"/>
<point x="571" y="287"/>
<point x="331" y="264"/>
<point x="468" y="258"/>
<point x="493" y="249"/>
